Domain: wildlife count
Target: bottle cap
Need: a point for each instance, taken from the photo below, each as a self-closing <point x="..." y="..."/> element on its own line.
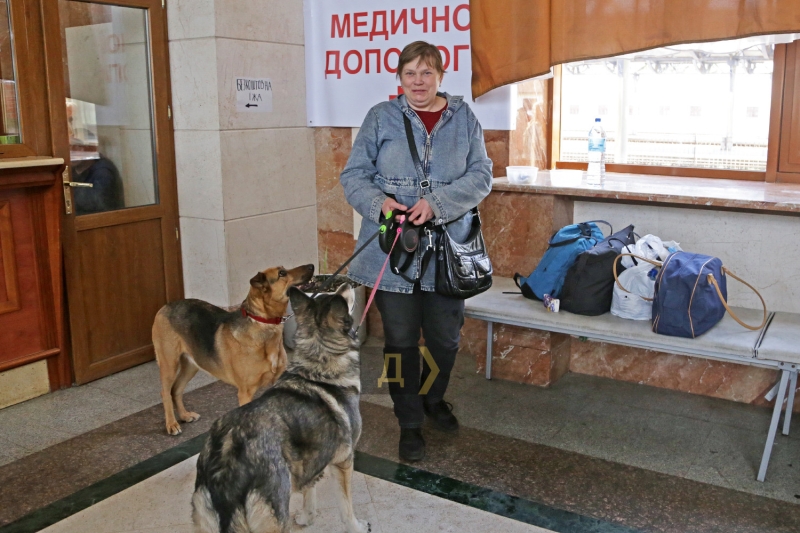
<point x="597" y="120"/>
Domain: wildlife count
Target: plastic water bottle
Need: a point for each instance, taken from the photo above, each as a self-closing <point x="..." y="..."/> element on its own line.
<point x="597" y="154"/>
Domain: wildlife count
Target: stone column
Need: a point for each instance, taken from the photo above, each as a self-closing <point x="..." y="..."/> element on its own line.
<point x="246" y="181"/>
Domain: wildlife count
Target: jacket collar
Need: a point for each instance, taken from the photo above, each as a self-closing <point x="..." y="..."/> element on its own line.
<point x="453" y="103"/>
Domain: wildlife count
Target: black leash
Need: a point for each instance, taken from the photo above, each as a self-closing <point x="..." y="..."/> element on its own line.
<point x="333" y="276"/>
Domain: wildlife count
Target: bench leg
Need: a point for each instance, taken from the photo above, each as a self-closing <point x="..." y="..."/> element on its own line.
<point x="773" y="425"/>
<point x="489" y="351"/>
<point x="787" y="417"/>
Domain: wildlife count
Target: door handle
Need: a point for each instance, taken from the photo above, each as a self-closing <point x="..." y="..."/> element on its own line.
<point x="68" y="189"/>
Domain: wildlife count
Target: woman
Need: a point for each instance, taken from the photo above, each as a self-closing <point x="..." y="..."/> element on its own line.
<point x="458" y="175"/>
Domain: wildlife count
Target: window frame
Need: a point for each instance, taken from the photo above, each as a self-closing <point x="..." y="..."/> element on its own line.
<point x="771" y="175"/>
<point x="30" y="73"/>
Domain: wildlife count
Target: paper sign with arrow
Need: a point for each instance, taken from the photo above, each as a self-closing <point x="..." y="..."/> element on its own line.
<point x="253" y="95"/>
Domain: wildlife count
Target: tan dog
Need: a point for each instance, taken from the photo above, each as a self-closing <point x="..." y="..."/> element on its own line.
<point x="243" y="348"/>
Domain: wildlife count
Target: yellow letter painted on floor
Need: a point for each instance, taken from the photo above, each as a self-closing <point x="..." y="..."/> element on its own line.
<point x="426" y="355"/>
<point x="396" y="379"/>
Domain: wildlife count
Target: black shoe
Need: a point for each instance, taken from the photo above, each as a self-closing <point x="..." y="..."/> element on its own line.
<point x="412" y="445"/>
<point x="441" y="415"/>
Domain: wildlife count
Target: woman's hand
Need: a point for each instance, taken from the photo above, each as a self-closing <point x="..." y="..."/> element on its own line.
<point x="421" y="212"/>
<point x="391" y="205"/>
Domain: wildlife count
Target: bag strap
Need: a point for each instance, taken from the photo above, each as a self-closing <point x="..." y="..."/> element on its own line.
<point x="425" y="184"/>
<point x="610" y="227"/>
<point x="616" y="278"/>
<point x="713" y="281"/>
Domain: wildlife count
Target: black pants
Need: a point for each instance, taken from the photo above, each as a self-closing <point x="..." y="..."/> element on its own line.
<point x="403" y="315"/>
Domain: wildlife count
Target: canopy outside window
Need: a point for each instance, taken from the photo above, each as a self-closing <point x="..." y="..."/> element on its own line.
<point x="514" y="40"/>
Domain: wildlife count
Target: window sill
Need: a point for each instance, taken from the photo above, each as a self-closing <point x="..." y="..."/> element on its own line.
<point x="706" y="192"/>
<point x="30" y="162"/>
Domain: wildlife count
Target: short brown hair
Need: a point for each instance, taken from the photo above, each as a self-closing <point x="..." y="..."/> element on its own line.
<point x="426" y="52"/>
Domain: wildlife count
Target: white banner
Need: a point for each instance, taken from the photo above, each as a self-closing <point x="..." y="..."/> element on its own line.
<point x="352" y="48"/>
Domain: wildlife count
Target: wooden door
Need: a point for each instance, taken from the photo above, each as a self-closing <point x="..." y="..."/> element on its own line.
<point x="121" y="248"/>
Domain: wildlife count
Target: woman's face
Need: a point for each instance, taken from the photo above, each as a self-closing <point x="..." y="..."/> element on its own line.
<point x="420" y="84"/>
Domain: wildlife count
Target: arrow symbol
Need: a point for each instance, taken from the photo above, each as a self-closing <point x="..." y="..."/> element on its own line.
<point x="251" y="105"/>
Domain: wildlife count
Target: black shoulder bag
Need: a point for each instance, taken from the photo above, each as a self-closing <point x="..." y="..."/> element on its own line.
<point x="463" y="269"/>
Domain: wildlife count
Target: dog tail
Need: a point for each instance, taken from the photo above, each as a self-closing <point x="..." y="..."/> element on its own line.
<point x="206" y="519"/>
<point x="258" y="516"/>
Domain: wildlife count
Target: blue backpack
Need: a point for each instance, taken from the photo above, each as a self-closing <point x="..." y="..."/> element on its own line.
<point x="564" y="248"/>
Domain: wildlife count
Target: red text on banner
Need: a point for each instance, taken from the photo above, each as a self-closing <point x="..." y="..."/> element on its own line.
<point x="388" y="66"/>
<point x="403" y="17"/>
<point x="423" y="20"/>
<point x="377" y="53"/>
<point x="340" y="27"/>
<point x="359" y="23"/>
<point x="456" y="49"/>
<point x="456" y="11"/>
<point x="332" y="54"/>
<point x="445" y="56"/>
<point x="369" y="61"/>
<point x="346" y="62"/>
<point x="375" y="32"/>
<point x="444" y="18"/>
<point x="356" y="24"/>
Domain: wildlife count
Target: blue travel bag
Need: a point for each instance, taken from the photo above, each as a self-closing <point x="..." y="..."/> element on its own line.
<point x="691" y="295"/>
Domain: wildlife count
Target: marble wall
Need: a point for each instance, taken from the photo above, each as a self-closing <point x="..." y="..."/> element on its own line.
<point x="246" y="181"/>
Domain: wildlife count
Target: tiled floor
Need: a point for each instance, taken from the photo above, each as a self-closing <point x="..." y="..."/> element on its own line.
<point x="585" y="455"/>
<point x="694" y="437"/>
<point x="34" y="425"/>
<point x="161" y="504"/>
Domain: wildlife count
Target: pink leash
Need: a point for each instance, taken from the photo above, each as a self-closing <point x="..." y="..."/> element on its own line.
<point x="380" y="275"/>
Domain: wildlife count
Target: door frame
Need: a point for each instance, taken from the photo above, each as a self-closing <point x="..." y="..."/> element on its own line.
<point x="75" y="336"/>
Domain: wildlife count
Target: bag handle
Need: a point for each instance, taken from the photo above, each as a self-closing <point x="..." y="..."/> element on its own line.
<point x="616" y="278"/>
<point x="713" y="281"/>
<point x="610" y="227"/>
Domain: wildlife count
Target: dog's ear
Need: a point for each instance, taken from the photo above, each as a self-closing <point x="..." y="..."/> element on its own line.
<point x="339" y="313"/>
<point x="299" y="300"/>
<point x="346" y="291"/>
<point x="259" y="281"/>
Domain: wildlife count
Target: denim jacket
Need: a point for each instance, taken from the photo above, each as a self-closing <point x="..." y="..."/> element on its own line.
<point x="454" y="159"/>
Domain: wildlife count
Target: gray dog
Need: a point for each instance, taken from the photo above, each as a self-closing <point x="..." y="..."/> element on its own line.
<point x="282" y="442"/>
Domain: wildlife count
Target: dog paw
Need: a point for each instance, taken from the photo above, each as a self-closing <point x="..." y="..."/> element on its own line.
<point x="304" y="519"/>
<point x="189" y="417"/>
<point x="174" y="428"/>
<point x="362" y="526"/>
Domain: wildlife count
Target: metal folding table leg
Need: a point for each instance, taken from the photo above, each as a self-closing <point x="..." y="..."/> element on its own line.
<point x="773" y="425"/>
<point x="787" y="417"/>
<point x="489" y="351"/>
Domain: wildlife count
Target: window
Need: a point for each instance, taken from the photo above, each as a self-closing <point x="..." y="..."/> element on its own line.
<point x="698" y="106"/>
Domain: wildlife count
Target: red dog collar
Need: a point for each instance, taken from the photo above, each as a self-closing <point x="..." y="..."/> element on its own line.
<point x="276" y="321"/>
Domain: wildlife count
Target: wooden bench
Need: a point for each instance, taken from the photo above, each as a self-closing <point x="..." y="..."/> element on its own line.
<point x="776" y="346"/>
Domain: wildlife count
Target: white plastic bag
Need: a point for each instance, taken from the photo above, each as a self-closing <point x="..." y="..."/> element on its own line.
<point x="650" y="247"/>
<point x="631" y="304"/>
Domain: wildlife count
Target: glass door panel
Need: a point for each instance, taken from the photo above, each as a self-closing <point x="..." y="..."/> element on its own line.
<point x="9" y="110"/>
<point x="109" y="106"/>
